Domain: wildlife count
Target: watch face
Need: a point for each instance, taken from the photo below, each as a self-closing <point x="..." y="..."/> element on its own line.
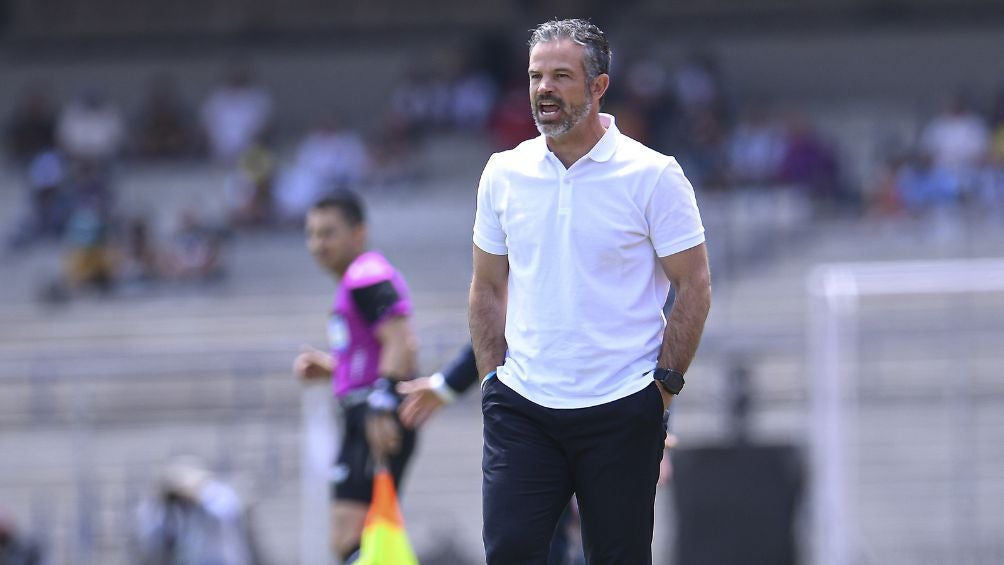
<point x="671" y="380"/>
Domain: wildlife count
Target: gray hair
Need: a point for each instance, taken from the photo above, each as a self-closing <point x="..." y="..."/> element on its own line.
<point x="583" y="32"/>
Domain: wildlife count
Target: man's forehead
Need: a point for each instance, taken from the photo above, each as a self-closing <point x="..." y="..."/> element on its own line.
<point x="565" y="50"/>
<point x="323" y="216"/>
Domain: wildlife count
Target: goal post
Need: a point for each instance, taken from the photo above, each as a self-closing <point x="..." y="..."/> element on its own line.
<point x="841" y="295"/>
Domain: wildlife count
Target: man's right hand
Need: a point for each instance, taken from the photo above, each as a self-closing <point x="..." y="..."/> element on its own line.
<point x="313" y="364"/>
<point x="420" y="402"/>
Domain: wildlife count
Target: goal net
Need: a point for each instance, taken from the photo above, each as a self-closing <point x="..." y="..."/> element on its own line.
<point x="907" y="413"/>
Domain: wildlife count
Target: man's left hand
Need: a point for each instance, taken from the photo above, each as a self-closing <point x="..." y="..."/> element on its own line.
<point x="667" y="398"/>
<point x="666" y="465"/>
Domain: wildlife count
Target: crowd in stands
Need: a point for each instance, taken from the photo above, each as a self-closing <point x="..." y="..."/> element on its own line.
<point x="69" y="152"/>
<point x="688" y="113"/>
<point x="958" y="160"/>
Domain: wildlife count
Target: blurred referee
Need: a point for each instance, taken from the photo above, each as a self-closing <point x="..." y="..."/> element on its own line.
<point x="372" y="347"/>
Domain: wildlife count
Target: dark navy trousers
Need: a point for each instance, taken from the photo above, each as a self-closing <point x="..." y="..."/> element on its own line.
<point x="535" y="458"/>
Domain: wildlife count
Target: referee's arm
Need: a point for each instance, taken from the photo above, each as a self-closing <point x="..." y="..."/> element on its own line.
<point x="398" y="348"/>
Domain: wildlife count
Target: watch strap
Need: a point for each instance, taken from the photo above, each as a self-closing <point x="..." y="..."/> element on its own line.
<point x="670" y="379"/>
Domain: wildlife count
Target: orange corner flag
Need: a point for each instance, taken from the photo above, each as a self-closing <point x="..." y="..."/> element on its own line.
<point x="384" y="540"/>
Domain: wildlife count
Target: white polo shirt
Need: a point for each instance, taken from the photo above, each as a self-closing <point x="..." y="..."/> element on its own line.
<point x="584" y="319"/>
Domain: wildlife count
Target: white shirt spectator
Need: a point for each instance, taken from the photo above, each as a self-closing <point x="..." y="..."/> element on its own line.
<point x="90" y="128"/>
<point x="584" y="317"/>
<point x="233" y="117"/>
<point x="956" y="141"/>
<point x="695" y="84"/>
<point x="336" y="156"/>
<point x="755" y="152"/>
<point x="473" y="100"/>
<point x="327" y="159"/>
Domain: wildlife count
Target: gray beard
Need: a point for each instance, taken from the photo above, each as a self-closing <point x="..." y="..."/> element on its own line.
<point x="574" y="117"/>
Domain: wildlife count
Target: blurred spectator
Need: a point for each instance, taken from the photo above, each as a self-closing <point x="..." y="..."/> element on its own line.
<point x="702" y="149"/>
<point x="923" y="185"/>
<point x="32" y="126"/>
<point x="630" y="120"/>
<point x="194" y="251"/>
<point x="248" y="189"/>
<point x="90" y="259"/>
<point x="755" y="149"/>
<point x="49" y="207"/>
<point x="15" y="548"/>
<point x="330" y="157"/>
<point x="91" y="129"/>
<point x="392" y="156"/>
<point x="46" y="176"/>
<point x="455" y="94"/>
<point x="957" y="139"/>
<point x="698" y="86"/>
<point x="428" y="100"/>
<point x="472" y="95"/>
<point x="646" y="104"/>
<point x="194" y="519"/>
<point x="141" y="261"/>
<point x="511" y="122"/>
<point x="808" y="162"/>
<point x="163" y="125"/>
<point x="689" y="114"/>
<point x="886" y="200"/>
<point x="421" y="103"/>
<point x="236" y="115"/>
<point x="88" y="185"/>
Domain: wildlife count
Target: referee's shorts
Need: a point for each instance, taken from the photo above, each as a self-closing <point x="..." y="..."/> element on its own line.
<point x="536" y="457"/>
<point x="352" y="474"/>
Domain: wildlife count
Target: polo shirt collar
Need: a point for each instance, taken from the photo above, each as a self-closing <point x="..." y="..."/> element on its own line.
<point x="604" y="148"/>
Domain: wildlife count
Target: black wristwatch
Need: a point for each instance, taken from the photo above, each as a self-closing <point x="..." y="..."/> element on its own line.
<point x="670" y="380"/>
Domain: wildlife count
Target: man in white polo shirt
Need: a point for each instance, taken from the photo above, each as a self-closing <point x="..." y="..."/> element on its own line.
<point x="578" y="235"/>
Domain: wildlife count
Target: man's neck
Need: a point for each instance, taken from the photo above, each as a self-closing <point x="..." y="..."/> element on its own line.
<point x="571" y="146"/>
<point x="339" y="272"/>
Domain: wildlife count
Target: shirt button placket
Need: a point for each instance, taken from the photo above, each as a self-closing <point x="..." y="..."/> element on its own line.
<point x="565" y="196"/>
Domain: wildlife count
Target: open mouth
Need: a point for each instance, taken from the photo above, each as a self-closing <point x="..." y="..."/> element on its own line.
<point x="548" y="109"/>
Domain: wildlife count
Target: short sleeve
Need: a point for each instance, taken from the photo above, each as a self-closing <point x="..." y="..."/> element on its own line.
<point x="377" y="300"/>
<point x="375" y="290"/>
<point x="674" y="222"/>
<point x="488" y="233"/>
